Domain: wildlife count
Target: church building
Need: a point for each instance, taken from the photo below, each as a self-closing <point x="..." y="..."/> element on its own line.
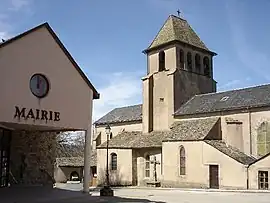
<point x="185" y="134"/>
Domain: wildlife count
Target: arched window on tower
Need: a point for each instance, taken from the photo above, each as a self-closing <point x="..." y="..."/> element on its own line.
<point x="181" y="59"/>
<point x="189" y="61"/>
<point x="198" y="63"/>
<point x="206" y="66"/>
<point x="113" y="161"/>
<point x="161" y="60"/>
<point x="147" y="166"/>
<point x="182" y="161"/>
<point x="263" y="139"/>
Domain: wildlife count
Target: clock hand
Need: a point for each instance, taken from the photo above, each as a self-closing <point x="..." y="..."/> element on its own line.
<point x="38" y="82"/>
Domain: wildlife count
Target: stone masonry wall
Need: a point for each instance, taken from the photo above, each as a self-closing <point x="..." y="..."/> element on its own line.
<point x="32" y="158"/>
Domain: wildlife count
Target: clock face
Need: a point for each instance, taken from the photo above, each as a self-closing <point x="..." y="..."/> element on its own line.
<point x="39" y="85"/>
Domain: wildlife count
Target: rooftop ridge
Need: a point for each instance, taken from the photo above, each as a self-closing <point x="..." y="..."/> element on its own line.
<point x="127" y="106"/>
<point x="172" y="15"/>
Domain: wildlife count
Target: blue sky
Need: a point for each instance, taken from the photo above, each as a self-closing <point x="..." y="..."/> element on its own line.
<point x="106" y="38"/>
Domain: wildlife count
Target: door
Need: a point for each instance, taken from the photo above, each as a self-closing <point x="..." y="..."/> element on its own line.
<point x="213" y="176"/>
<point x="5" y="138"/>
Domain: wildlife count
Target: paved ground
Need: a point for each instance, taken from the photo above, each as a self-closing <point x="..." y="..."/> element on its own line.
<point x="175" y="196"/>
<point x="70" y="193"/>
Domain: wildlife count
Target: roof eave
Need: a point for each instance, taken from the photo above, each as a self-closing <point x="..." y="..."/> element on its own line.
<point x="149" y="49"/>
<point x="116" y="122"/>
<point x="222" y="110"/>
<point x="182" y="140"/>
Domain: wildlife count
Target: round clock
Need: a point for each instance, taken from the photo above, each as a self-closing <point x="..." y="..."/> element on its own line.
<point x="39" y="85"/>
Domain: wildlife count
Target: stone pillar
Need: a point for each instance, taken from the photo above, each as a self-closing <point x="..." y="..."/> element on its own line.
<point x="87" y="159"/>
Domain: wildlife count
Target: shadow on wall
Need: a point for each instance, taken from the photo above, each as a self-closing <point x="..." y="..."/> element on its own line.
<point x="115" y="178"/>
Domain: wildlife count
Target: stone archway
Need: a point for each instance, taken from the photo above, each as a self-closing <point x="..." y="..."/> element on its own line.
<point x="74" y="176"/>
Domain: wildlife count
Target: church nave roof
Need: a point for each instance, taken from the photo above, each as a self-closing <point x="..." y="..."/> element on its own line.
<point x="251" y="97"/>
<point x="122" y="114"/>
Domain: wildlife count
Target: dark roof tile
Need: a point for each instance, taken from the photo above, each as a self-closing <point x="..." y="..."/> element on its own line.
<point x="181" y="131"/>
<point x="190" y="130"/>
<point x="76" y="161"/>
<point x="230" y="151"/>
<point x="177" y="29"/>
<point x="251" y="97"/>
<point x="123" y="114"/>
<point x="136" y="139"/>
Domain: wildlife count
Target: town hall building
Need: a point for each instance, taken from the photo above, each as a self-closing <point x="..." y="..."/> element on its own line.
<point x="40" y="84"/>
<point x="185" y="134"/>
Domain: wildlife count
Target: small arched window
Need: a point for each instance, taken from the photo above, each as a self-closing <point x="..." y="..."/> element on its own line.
<point x="198" y="63"/>
<point x="182" y="161"/>
<point x="181" y="59"/>
<point x="113" y="161"/>
<point x="147" y="166"/>
<point x="206" y="66"/>
<point x="161" y="60"/>
<point x="189" y="61"/>
<point x="263" y="139"/>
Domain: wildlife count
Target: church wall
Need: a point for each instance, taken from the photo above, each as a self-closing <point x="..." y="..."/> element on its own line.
<point x="123" y="174"/>
<point x="187" y="84"/>
<point x="257" y="118"/>
<point x="140" y="155"/>
<point x="116" y="128"/>
<point x="250" y="123"/>
<point x="199" y="156"/>
<point x="145" y="107"/>
<point x="162" y="101"/>
<point x="251" y="120"/>
<point x="237" y="135"/>
<point x="195" y="172"/>
<point x="32" y="157"/>
<point x="262" y="165"/>
<point x="227" y="179"/>
<point x="162" y="95"/>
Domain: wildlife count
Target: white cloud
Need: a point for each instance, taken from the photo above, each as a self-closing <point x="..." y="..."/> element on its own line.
<point x="17" y="5"/>
<point x="122" y="89"/>
<point x="7" y="11"/>
<point x="4" y="29"/>
<point x="4" y="35"/>
<point x="233" y="84"/>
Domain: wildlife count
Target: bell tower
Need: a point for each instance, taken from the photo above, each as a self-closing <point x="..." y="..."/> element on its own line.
<point x="179" y="66"/>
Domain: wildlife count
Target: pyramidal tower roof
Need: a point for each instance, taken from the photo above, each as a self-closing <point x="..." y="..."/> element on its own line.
<point x="177" y="29"/>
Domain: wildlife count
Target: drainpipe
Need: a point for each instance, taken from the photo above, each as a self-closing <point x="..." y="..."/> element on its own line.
<point x="250" y="134"/>
<point x="248" y="176"/>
